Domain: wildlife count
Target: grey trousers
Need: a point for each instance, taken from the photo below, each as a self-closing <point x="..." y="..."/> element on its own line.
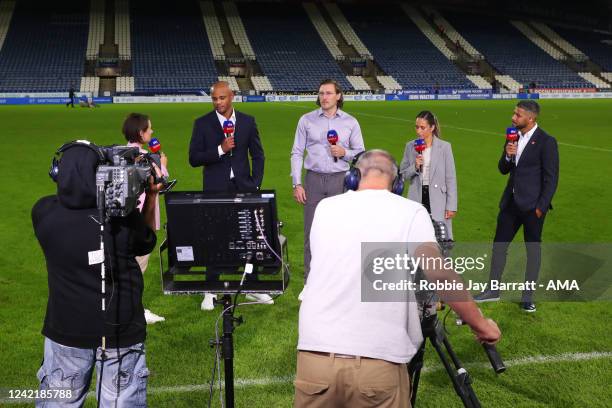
<point x="318" y="186"/>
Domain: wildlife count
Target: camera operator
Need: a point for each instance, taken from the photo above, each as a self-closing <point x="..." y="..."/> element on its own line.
<point x="68" y="230"/>
<point x="353" y="353"/>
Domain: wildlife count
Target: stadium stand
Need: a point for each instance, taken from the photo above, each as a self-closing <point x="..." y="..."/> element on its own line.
<point x="597" y="46"/>
<point x="508" y="82"/>
<point x="598" y="82"/>
<point x="237" y="29"/>
<point x="6" y="13"/>
<point x="124" y="84"/>
<point x="323" y="29"/>
<point x="401" y="49"/>
<point x="90" y="84"/>
<point x="261" y="83"/>
<point x="389" y="83"/>
<point x="358" y="83"/>
<point x="96" y="29"/>
<point x="558" y="41"/>
<point x="170" y="50"/>
<point x="428" y="31"/>
<point x="538" y="40"/>
<point x="233" y="84"/>
<point x="479" y="81"/>
<point x="450" y="32"/>
<point x="510" y="53"/>
<point x="122" y="29"/>
<point x="213" y="29"/>
<point x="607" y="76"/>
<point x="288" y="49"/>
<point x="346" y="30"/>
<point x="44" y="49"/>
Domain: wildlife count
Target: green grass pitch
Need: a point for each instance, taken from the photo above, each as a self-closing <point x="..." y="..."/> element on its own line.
<point x="545" y="367"/>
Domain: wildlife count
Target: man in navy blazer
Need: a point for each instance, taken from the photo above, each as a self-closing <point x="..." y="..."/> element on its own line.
<point x="533" y="164"/>
<point x="225" y="160"/>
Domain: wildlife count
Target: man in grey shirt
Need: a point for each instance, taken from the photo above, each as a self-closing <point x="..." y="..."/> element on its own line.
<point x="326" y="160"/>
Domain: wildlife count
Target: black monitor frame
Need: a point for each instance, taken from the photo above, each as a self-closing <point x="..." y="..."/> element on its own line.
<point x="200" y="228"/>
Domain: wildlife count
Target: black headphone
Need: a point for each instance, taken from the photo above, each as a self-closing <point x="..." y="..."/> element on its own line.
<point x="353" y="177"/>
<point x="54" y="170"/>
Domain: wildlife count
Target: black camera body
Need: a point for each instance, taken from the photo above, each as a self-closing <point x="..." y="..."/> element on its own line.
<point x="123" y="178"/>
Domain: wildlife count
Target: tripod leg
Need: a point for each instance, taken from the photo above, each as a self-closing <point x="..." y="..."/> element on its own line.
<point x="460" y="378"/>
<point x="228" y="350"/>
<point x="414" y="370"/>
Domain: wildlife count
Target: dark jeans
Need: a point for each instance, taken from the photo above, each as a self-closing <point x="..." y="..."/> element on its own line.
<point x="509" y="220"/>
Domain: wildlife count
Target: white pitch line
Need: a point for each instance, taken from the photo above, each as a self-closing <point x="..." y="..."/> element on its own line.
<point x="485" y="132"/>
<point x="266" y="381"/>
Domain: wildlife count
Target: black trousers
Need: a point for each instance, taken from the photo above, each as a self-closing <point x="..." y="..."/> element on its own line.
<point x="425" y="198"/>
<point x="509" y="220"/>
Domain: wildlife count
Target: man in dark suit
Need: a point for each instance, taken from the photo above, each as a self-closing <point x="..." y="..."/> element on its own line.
<point x="224" y="159"/>
<point x="533" y="164"/>
<point x="225" y="156"/>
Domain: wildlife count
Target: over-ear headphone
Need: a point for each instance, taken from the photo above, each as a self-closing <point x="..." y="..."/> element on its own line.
<point x="353" y="177"/>
<point x="54" y="170"/>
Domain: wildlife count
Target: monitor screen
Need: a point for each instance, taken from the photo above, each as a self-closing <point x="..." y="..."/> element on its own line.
<point x="222" y="229"/>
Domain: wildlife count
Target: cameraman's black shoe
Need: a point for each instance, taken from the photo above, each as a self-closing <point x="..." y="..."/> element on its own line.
<point x="528" y="307"/>
<point x="487" y="296"/>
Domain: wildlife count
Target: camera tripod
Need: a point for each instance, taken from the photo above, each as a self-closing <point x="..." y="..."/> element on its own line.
<point x="227" y="346"/>
<point x="462" y="382"/>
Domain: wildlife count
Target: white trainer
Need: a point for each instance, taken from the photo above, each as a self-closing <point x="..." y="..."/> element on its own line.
<point x="260" y="297"/>
<point x="208" y="302"/>
<point x="152" y="318"/>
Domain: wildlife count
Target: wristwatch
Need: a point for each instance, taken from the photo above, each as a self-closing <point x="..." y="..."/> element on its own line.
<point x="295" y="185"/>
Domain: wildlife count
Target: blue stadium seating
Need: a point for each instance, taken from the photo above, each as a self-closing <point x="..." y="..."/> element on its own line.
<point x="511" y="53"/>
<point x="288" y="47"/>
<point x="45" y="47"/>
<point x="170" y="49"/>
<point x="402" y="50"/>
<point x="592" y="44"/>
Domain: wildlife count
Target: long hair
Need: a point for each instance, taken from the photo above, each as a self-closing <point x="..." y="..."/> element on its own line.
<point x="432" y="120"/>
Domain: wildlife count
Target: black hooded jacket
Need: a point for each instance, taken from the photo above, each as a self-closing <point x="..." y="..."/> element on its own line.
<point x="66" y="227"/>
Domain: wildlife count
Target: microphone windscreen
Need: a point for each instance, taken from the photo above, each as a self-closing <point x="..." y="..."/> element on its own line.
<point x="154" y="145"/>
<point x="228" y="127"/>
<point x="419" y="145"/>
<point x="512" y="134"/>
<point x="332" y="136"/>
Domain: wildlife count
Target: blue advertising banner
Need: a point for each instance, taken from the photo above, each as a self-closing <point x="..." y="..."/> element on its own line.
<point x="254" y="98"/>
<point x="459" y="96"/>
<point x="49" y="101"/>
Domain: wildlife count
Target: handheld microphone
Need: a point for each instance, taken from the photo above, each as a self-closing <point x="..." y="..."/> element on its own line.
<point x="155" y="148"/>
<point x="512" y="136"/>
<point x="228" y="130"/>
<point x="419" y="147"/>
<point x="154" y="145"/>
<point x="332" y="138"/>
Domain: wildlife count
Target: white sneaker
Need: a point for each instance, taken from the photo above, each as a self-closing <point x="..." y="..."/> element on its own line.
<point x="152" y="318"/>
<point x="208" y="302"/>
<point x="301" y="295"/>
<point x="260" y="297"/>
